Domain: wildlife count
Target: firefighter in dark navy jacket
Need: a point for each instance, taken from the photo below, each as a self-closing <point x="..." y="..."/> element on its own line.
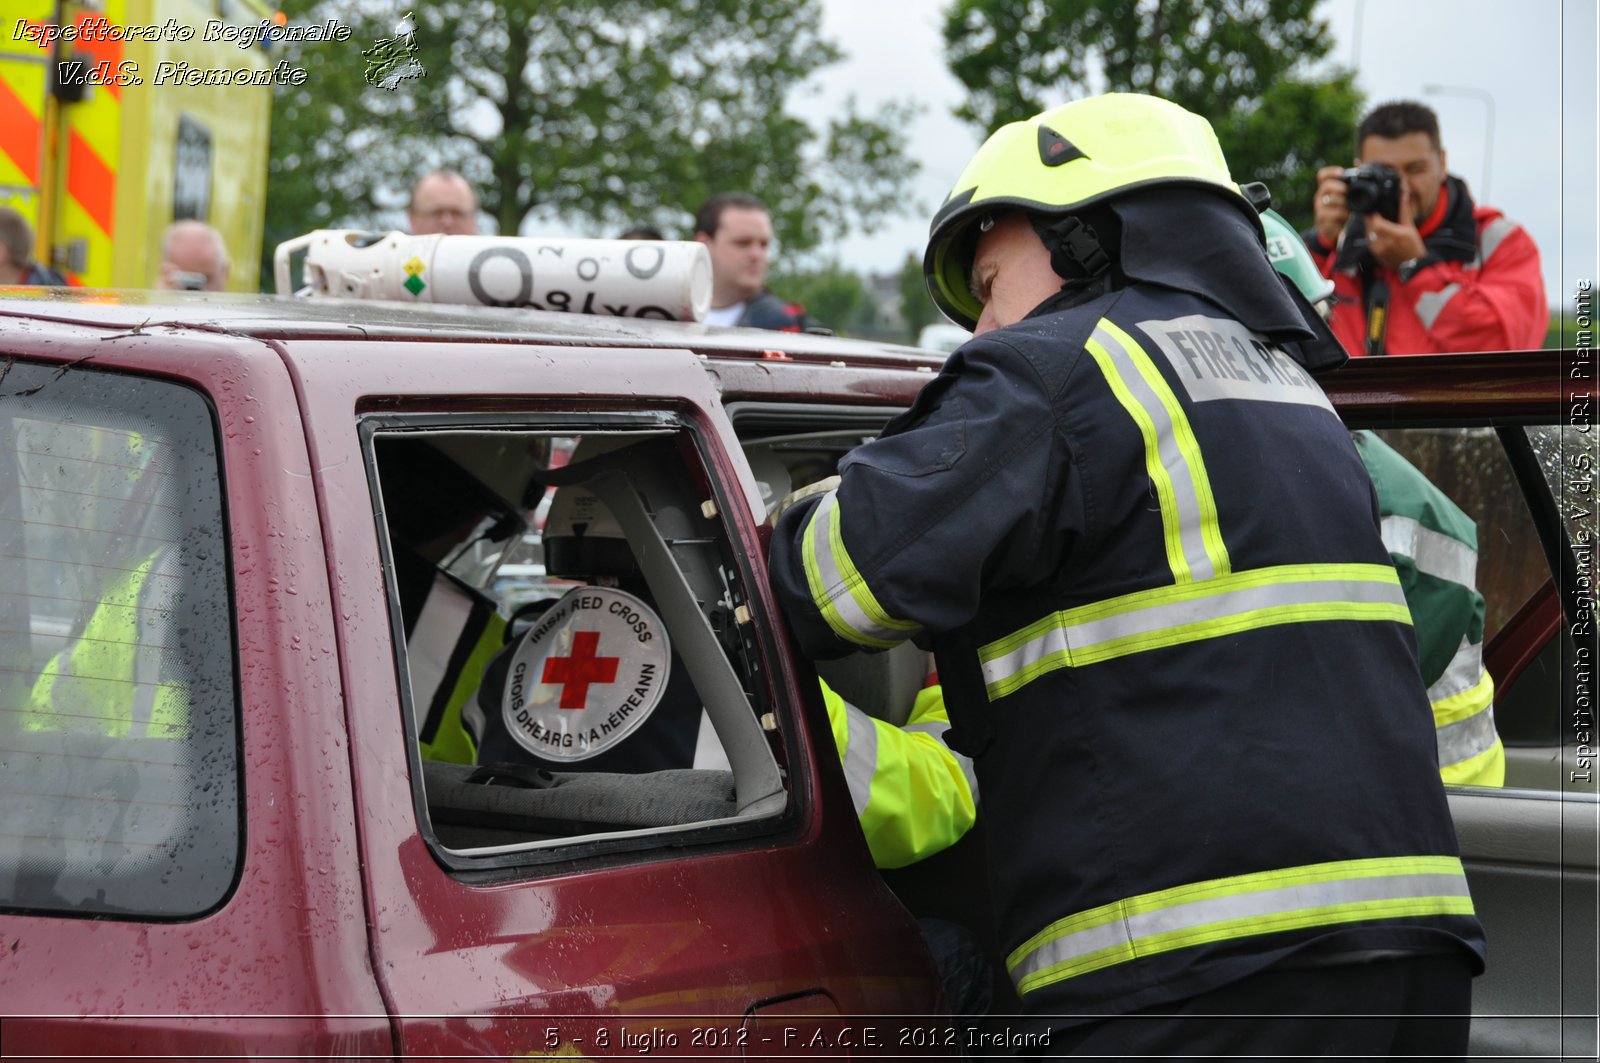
<point x="1139" y="540"/>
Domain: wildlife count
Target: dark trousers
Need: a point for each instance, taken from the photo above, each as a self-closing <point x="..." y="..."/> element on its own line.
<point x="1411" y="1008"/>
<point x="963" y="968"/>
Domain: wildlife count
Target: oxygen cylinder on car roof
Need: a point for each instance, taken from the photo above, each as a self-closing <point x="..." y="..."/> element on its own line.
<point x="664" y="279"/>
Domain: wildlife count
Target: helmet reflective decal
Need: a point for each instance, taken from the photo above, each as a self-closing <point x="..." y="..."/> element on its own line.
<point x="1055" y="149"/>
<point x="587" y="675"/>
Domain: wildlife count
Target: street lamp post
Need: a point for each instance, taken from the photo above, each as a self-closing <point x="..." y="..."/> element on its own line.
<point x="1355" y="39"/>
<point x="1488" y="103"/>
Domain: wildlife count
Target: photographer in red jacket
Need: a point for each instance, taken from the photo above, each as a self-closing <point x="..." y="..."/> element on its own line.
<point x="1417" y="266"/>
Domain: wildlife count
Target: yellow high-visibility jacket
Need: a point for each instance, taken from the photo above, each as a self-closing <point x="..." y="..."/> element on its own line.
<point x="913" y="794"/>
<point x="110" y="681"/>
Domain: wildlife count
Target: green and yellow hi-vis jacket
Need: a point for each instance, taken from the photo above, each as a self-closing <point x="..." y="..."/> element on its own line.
<point x="1434" y="546"/>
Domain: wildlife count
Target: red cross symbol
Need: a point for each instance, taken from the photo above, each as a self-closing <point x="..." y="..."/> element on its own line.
<point x="575" y="673"/>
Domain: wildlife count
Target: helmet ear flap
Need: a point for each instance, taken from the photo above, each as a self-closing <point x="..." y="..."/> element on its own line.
<point x="1082" y="245"/>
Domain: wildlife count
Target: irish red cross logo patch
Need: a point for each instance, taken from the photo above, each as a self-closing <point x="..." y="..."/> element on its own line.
<point x="575" y="673"/>
<point x="586" y="675"/>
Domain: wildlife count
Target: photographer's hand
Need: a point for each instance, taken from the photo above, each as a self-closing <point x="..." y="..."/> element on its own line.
<point x="1395" y="242"/>
<point x="1330" y="212"/>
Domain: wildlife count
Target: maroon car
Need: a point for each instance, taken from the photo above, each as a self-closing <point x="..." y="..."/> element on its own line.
<point x="228" y="519"/>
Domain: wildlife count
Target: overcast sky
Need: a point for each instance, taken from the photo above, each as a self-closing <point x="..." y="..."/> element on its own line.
<point x="1536" y="58"/>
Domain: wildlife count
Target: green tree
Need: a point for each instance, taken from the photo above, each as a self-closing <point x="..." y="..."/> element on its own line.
<point x="610" y="111"/>
<point x="833" y="296"/>
<point x="916" y="305"/>
<point x="1246" y="65"/>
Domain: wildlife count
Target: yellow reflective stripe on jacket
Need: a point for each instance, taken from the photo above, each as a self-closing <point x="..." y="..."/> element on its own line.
<point x="1486" y="769"/>
<point x="838" y="589"/>
<point x="1470" y="751"/>
<point x="1227" y="909"/>
<point x="1189" y="612"/>
<point x="908" y="788"/>
<point x="1195" y="550"/>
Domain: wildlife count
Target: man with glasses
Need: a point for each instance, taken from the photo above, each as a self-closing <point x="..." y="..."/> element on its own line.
<point x="443" y="202"/>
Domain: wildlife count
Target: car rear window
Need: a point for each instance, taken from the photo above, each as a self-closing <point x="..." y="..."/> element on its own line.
<point x="119" y="785"/>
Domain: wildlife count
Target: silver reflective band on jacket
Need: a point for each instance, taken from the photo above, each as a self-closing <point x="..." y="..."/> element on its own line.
<point x="1434" y="553"/>
<point x="1189" y="612"/>
<point x="1346" y="891"/>
<point x="1466" y="738"/>
<point x="1463" y="696"/>
<point x="840" y="592"/>
<point x="1463" y="711"/>
<point x="1195" y="550"/>
<point x="861" y="757"/>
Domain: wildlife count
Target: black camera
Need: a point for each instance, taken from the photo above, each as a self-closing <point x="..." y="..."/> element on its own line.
<point x="1373" y="189"/>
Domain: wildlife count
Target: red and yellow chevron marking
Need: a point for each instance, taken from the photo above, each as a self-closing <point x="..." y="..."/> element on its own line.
<point x="92" y="152"/>
<point x="67" y="154"/>
<point x="23" y="81"/>
<point x="92" y="183"/>
<point x="21" y="138"/>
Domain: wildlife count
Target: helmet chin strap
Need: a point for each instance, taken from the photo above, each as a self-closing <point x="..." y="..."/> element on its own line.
<point x="1075" y="249"/>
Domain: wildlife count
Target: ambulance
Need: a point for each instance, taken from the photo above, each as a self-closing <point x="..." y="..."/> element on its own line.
<point x="118" y="117"/>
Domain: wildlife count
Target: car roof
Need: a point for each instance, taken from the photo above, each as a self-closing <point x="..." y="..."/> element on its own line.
<point x="1454" y="387"/>
<point x="282" y="317"/>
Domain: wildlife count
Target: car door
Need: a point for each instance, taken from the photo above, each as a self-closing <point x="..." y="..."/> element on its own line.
<point x="703" y="911"/>
<point x="177" y="871"/>
<point x="1498" y="434"/>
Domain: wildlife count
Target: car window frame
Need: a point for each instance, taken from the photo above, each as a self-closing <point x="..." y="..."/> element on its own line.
<point x="634" y="845"/>
<point x="228" y="608"/>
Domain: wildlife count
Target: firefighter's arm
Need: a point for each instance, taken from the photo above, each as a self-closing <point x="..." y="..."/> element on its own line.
<point x="1433" y="545"/>
<point x="970" y="491"/>
<point x="913" y="795"/>
<point x="1497" y="307"/>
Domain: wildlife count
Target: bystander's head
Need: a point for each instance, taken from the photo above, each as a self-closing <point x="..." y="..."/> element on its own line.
<point x="16" y="252"/>
<point x="737" y="230"/>
<point x="1403" y="136"/>
<point x="443" y="202"/>
<point x="1419" y="265"/>
<point x="193" y="257"/>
